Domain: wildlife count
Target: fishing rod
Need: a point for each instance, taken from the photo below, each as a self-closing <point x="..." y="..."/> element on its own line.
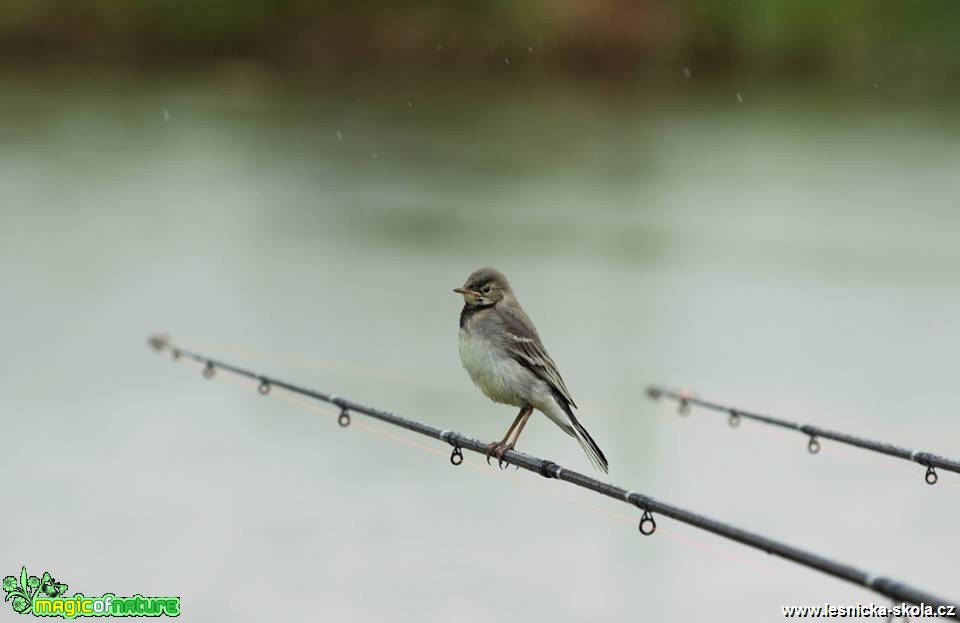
<point x="898" y="591"/>
<point x="685" y="399"/>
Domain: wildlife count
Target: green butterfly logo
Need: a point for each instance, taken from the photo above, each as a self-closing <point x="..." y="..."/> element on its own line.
<point x="50" y="587"/>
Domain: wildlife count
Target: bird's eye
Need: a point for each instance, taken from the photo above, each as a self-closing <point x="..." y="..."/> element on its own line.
<point x="486" y="289"/>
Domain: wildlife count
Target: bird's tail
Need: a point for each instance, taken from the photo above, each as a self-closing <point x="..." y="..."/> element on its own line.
<point x="575" y="429"/>
<point x="589" y="446"/>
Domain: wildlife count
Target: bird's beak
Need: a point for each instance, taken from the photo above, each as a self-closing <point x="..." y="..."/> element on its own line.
<point x="466" y="292"/>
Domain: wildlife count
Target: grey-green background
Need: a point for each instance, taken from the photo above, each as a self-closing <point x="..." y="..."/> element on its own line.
<point x="790" y="246"/>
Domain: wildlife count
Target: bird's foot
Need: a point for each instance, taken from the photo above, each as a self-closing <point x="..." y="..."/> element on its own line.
<point x="498" y="449"/>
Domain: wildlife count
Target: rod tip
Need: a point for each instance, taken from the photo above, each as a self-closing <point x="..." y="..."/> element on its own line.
<point x="159" y="341"/>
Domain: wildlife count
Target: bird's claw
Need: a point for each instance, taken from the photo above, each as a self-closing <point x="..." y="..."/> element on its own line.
<point x="498" y="449"/>
<point x="491" y="448"/>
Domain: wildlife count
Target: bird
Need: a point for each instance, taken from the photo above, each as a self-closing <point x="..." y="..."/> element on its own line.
<point x="505" y="358"/>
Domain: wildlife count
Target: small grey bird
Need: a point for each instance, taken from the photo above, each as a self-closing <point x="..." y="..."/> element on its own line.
<point x="502" y="352"/>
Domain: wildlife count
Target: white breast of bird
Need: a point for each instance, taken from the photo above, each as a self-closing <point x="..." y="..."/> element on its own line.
<point x="492" y="370"/>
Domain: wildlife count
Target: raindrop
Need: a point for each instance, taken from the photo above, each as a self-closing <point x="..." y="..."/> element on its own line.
<point x="506" y="60"/>
<point x="686" y="72"/>
<point x="530" y="49"/>
<point x="339" y="135"/>
<point x="739" y="98"/>
<point x="166" y="115"/>
<point x="410" y="103"/>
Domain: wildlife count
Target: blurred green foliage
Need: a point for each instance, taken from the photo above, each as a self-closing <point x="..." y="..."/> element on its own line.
<point x="787" y="37"/>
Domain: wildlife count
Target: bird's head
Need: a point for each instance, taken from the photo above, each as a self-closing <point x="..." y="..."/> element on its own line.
<point x="485" y="286"/>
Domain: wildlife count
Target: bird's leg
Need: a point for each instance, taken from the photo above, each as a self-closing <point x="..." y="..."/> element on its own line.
<point x="516" y="435"/>
<point x="495" y="447"/>
<point x="520" y="422"/>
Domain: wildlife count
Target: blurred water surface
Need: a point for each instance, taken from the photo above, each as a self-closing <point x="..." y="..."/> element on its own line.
<point x="795" y="253"/>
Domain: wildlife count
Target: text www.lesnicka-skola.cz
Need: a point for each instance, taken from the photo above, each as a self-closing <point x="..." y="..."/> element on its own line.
<point x="868" y="611"/>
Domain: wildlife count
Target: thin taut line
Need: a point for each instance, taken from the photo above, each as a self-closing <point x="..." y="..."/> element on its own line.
<point x="928" y="460"/>
<point x="897" y="591"/>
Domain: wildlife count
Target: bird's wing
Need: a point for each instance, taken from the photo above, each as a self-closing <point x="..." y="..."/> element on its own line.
<point x="523" y="343"/>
